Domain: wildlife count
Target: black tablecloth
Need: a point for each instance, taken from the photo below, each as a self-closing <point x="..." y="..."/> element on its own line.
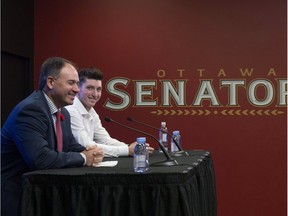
<point x="187" y="189"/>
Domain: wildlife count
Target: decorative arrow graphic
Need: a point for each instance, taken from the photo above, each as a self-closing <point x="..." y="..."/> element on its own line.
<point x="225" y="112"/>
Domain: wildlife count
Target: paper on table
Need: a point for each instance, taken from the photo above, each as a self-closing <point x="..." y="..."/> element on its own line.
<point x="106" y="164"/>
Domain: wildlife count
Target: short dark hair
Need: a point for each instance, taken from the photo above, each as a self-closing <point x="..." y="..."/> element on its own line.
<point x="52" y="67"/>
<point x="90" y="73"/>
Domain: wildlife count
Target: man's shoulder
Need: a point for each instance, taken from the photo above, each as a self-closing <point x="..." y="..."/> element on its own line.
<point x="71" y="108"/>
<point x="76" y="108"/>
<point x="32" y="105"/>
<point x="35" y="99"/>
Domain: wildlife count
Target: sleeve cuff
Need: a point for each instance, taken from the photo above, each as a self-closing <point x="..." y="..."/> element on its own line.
<point x="84" y="157"/>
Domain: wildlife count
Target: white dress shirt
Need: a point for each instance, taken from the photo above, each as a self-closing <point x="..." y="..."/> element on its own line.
<point x="88" y="130"/>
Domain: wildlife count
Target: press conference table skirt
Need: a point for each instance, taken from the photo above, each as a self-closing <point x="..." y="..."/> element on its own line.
<point x="187" y="189"/>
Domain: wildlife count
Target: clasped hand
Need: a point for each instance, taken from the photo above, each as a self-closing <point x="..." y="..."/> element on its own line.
<point x="94" y="155"/>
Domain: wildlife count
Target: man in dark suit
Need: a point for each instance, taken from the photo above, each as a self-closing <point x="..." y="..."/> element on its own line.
<point x="29" y="139"/>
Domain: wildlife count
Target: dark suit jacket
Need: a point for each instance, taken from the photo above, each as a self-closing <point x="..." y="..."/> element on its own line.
<point x="28" y="143"/>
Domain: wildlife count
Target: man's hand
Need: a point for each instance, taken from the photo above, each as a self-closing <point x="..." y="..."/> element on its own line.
<point x="150" y="149"/>
<point x="132" y="146"/>
<point x="94" y="155"/>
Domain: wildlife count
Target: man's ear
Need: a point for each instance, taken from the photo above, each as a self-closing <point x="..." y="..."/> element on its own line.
<point x="50" y="82"/>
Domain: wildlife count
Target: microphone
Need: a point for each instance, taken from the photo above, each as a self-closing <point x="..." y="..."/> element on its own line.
<point x="168" y="162"/>
<point x="177" y="153"/>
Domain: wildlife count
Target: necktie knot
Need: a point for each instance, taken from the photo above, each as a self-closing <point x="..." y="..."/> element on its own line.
<point x="58" y="115"/>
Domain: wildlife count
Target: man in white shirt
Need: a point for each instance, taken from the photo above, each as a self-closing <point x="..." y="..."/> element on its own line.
<point x="85" y="122"/>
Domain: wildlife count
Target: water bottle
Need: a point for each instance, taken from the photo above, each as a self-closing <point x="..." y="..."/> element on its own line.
<point x="175" y="136"/>
<point x="141" y="159"/>
<point x="163" y="138"/>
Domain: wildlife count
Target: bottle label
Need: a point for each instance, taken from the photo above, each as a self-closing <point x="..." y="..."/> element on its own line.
<point x="164" y="137"/>
<point x="173" y="146"/>
<point x="141" y="161"/>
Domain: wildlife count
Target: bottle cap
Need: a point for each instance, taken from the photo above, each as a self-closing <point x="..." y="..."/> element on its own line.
<point x="141" y="139"/>
<point x="175" y="133"/>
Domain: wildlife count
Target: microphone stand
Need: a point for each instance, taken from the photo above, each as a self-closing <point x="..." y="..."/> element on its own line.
<point x="175" y="154"/>
<point x="168" y="162"/>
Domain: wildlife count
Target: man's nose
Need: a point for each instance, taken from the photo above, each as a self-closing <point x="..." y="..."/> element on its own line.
<point x="76" y="88"/>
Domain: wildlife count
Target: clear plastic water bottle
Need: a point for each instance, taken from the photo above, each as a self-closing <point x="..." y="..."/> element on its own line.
<point x="175" y="136"/>
<point x="163" y="138"/>
<point x="141" y="159"/>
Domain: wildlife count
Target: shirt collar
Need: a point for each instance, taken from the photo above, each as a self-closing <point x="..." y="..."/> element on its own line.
<point x="53" y="108"/>
<point x="82" y="109"/>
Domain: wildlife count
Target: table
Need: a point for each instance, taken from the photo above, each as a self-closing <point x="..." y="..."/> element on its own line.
<point x="187" y="189"/>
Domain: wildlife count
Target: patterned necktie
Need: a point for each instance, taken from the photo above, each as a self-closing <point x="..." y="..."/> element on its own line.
<point x="58" y="132"/>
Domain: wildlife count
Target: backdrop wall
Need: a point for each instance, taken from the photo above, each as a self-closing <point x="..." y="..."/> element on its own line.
<point x="215" y="70"/>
